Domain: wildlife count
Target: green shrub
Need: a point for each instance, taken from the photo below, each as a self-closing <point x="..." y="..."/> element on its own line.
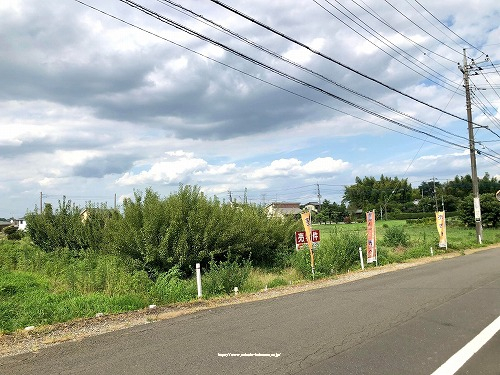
<point x="396" y="236"/>
<point x="10" y="229"/>
<point x="301" y="261"/>
<point x="337" y="253"/>
<point x="188" y="228"/>
<point x="13" y="233"/>
<point x="170" y="287"/>
<point x="278" y="281"/>
<point x="223" y="277"/>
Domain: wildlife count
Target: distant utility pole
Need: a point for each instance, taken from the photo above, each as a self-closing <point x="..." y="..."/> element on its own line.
<point x="319" y="198"/>
<point x="435" y="194"/>
<point x="465" y="69"/>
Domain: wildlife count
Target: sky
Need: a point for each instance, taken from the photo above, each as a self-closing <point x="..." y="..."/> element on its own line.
<point x="267" y="100"/>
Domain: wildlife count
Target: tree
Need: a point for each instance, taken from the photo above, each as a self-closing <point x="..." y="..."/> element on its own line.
<point x="388" y="194"/>
<point x="490" y="210"/>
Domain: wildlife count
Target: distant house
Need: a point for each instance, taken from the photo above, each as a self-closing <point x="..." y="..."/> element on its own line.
<point x="312" y="206"/>
<point x="19" y="223"/>
<point x="99" y="213"/>
<point x="282" y="209"/>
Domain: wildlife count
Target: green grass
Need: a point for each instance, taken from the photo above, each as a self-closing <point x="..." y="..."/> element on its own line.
<point x="421" y="238"/>
<point x="38" y="288"/>
<point x="459" y="237"/>
<point x="261" y="278"/>
<point x="28" y="299"/>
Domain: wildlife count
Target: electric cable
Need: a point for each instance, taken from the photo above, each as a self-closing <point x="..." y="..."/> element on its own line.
<point x="211" y="23"/>
<point x="276" y="71"/>
<point x="241" y="14"/>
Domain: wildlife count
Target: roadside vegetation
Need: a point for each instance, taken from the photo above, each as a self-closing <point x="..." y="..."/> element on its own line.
<point x="74" y="264"/>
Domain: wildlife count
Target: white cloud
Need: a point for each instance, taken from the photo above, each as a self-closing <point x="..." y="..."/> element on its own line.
<point x="297" y="169"/>
<point x="93" y="107"/>
<point x="172" y="169"/>
<point x="325" y="165"/>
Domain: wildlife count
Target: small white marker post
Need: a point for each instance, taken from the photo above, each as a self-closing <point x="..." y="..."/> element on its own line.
<point x="198" y="279"/>
<point x="432" y="252"/>
<point x="361" y="259"/>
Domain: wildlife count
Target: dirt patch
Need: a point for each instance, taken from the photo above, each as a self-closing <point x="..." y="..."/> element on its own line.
<point x="24" y="341"/>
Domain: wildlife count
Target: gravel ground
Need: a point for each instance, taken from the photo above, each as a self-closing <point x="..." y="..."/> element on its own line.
<point x="37" y="338"/>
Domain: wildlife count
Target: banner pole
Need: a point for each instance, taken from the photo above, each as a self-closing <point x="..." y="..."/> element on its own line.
<point x="375" y="238"/>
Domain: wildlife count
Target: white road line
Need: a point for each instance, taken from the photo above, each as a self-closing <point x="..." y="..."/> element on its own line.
<point x="459" y="358"/>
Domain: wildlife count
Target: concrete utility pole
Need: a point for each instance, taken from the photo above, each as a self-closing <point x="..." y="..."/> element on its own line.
<point x="472" y="150"/>
<point x="319" y="198"/>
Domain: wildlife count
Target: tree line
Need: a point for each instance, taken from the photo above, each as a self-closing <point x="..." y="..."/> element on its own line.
<point x="393" y="196"/>
<point x="158" y="233"/>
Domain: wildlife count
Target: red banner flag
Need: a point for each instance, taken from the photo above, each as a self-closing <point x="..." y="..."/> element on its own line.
<point x="371" y="246"/>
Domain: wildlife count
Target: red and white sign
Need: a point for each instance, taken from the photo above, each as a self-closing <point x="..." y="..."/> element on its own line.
<point x="301" y="238"/>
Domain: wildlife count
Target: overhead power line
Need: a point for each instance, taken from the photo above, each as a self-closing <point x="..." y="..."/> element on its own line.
<point x="443" y="24"/>
<point x="227" y="31"/>
<point x="427" y="52"/>
<point x="422" y="29"/>
<point x="276" y="71"/>
<point x="289" y="38"/>
<point x="382" y="39"/>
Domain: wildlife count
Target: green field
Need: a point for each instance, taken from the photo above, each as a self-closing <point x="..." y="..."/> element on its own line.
<point x="39" y="288"/>
<point x="459" y="237"/>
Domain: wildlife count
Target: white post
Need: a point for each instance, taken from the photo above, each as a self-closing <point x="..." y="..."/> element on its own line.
<point x="198" y="279"/>
<point x="432" y="252"/>
<point x="361" y="258"/>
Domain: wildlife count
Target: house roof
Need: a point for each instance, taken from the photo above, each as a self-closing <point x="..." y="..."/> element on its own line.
<point x="289" y="210"/>
<point x="284" y="205"/>
<point x="284" y="208"/>
<point x="315" y="204"/>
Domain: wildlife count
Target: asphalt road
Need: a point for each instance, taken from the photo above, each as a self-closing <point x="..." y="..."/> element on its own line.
<point x="404" y="322"/>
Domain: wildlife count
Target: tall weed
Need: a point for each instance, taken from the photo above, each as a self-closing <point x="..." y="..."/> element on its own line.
<point x="337" y="253"/>
<point x="223" y="277"/>
<point x="170" y="287"/>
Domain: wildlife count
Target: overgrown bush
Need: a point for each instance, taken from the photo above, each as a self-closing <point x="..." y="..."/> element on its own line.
<point x="13" y="233"/>
<point x="159" y="233"/>
<point x="67" y="227"/>
<point x="172" y="287"/>
<point x="396" y="236"/>
<point x="222" y="277"/>
<point x="187" y="228"/>
<point x="338" y="252"/>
